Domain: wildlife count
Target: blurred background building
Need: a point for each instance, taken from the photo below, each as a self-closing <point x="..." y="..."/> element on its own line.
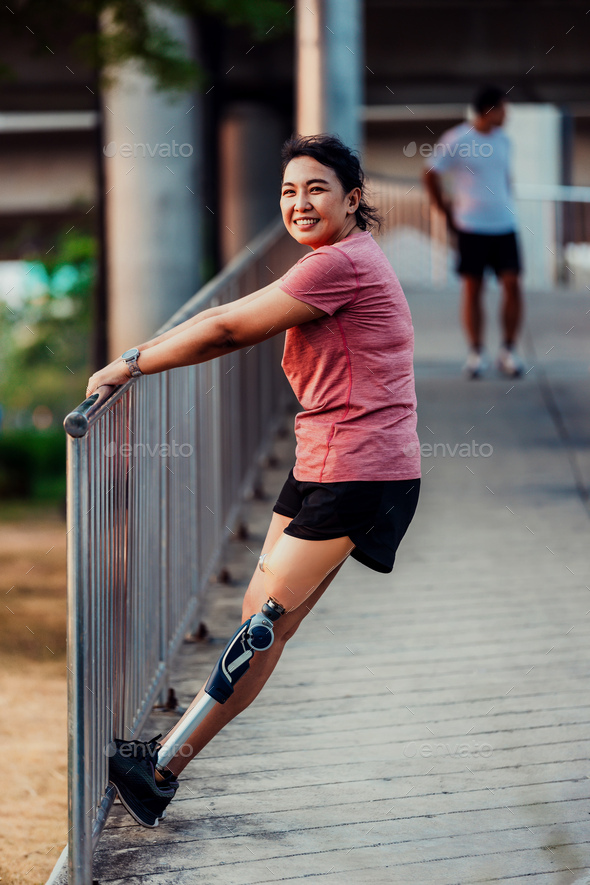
<point x="118" y="200"/>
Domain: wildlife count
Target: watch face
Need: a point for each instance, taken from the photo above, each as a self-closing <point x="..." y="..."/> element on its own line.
<point x="130" y="354"/>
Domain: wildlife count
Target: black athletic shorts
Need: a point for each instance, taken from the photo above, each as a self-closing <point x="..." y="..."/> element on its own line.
<point x="374" y="515"/>
<point x="500" y="252"/>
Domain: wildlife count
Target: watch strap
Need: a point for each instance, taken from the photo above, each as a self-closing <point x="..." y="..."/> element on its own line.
<point x="134" y="369"/>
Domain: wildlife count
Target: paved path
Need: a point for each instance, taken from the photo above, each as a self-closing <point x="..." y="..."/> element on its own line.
<point x="431" y="726"/>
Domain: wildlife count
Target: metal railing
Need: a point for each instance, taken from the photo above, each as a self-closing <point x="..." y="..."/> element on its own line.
<point x="553" y="224"/>
<point x="414" y="235"/>
<point x="156" y="475"/>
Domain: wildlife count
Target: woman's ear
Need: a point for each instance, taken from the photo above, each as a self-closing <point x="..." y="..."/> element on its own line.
<point x="354" y="199"/>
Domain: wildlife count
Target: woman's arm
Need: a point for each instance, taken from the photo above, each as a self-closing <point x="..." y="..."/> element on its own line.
<point x="248" y="322"/>
<point x="192" y="321"/>
<point x="205" y="315"/>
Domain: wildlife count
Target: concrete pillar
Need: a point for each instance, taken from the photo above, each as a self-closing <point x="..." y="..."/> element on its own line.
<point x="309" y="67"/>
<point x="250" y="142"/>
<point x="153" y="202"/>
<point x="535" y="131"/>
<point x="344" y="70"/>
<point x="330" y="68"/>
<point x="536" y="134"/>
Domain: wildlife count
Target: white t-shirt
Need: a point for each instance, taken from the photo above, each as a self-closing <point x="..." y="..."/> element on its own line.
<point x="478" y="164"/>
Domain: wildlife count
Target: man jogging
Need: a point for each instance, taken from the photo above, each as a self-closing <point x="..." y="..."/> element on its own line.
<point x="476" y="157"/>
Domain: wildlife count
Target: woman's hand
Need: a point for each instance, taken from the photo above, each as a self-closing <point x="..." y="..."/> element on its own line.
<point x="113" y="375"/>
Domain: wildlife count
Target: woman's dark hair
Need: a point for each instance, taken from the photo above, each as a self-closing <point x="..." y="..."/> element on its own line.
<point x="487" y="97"/>
<point x="330" y="151"/>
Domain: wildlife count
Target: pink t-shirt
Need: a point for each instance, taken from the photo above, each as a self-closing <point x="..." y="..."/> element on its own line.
<point x="352" y="370"/>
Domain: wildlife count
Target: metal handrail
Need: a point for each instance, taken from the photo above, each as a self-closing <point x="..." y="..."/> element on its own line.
<point x="146" y="533"/>
<point x="556" y="193"/>
<point x="77" y="422"/>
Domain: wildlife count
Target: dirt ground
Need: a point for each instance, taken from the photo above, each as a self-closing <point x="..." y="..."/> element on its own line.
<point x="33" y="724"/>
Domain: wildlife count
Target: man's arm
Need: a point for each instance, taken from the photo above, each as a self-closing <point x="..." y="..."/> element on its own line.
<point x="434" y="188"/>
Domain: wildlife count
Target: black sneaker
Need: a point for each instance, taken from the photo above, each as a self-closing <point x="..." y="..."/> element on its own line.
<point x="132" y="766"/>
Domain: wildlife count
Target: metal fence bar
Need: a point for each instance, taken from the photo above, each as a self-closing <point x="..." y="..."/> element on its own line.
<point x="79" y="832"/>
<point x="147" y="521"/>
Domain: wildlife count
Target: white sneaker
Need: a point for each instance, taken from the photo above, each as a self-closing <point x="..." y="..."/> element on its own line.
<point x="509" y="363"/>
<point x="475" y="364"/>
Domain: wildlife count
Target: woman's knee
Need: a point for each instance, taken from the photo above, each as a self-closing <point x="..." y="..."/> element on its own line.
<point x="283" y="629"/>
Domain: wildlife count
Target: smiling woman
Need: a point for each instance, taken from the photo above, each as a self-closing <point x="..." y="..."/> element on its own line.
<point x="331" y="201"/>
<point x="313" y="209"/>
<point x="354" y="487"/>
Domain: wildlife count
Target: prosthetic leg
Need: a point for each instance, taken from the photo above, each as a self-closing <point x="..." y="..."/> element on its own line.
<point x="255" y="634"/>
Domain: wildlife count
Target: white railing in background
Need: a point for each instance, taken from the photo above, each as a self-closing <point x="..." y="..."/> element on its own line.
<point x="156" y="475"/>
<point x="414" y="235"/>
<point x="553" y="224"/>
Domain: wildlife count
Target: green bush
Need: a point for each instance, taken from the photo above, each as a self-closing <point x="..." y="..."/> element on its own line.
<point x="44" y="364"/>
<point x="32" y="464"/>
<point x="45" y="337"/>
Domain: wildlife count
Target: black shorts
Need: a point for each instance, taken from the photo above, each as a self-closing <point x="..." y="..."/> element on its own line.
<point x="374" y="515"/>
<point x="500" y="252"/>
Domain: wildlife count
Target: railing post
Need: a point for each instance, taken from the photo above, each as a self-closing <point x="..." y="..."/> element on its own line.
<point x="557" y="233"/>
<point x="216" y="437"/>
<point x="80" y="801"/>
<point x="164" y="534"/>
<point x="439" y="246"/>
<point x="192" y="489"/>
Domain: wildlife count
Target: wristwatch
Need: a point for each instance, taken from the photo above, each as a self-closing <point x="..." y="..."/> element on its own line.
<point x="130" y="357"/>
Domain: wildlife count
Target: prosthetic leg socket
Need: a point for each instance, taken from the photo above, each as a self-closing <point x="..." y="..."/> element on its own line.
<point x="255" y="634"/>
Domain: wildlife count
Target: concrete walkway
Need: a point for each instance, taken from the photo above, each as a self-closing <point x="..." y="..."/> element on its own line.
<point x="431" y="726"/>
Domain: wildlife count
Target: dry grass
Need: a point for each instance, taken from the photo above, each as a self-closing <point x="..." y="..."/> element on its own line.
<point x="33" y="809"/>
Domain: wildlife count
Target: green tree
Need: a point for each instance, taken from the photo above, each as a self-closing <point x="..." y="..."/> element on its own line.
<point x="135" y="33"/>
<point x="44" y="358"/>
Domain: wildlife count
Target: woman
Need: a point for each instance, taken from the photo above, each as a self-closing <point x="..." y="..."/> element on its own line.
<point x="349" y="358"/>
